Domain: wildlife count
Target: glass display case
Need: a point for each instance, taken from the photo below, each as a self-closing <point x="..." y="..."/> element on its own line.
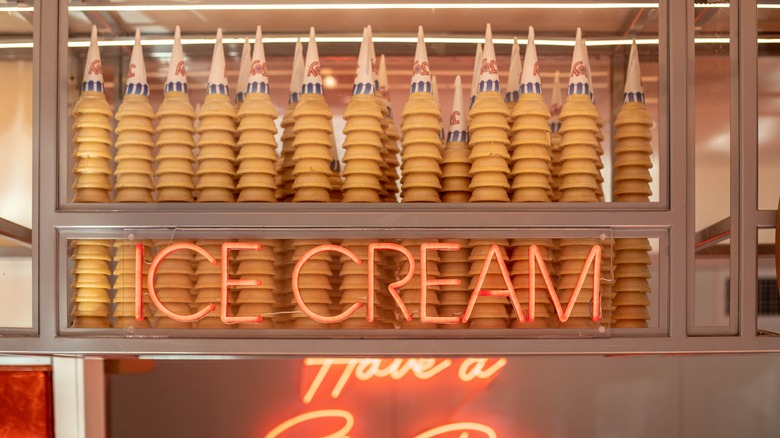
<point x="584" y="178"/>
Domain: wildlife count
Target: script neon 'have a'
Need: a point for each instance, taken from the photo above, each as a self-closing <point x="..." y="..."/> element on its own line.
<point x="494" y="255"/>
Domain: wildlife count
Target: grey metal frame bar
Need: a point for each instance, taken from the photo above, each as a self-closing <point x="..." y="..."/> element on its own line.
<point x="671" y="220"/>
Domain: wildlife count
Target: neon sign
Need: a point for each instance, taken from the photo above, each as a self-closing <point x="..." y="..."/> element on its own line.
<point x="464" y="428"/>
<point x="494" y="255"/>
<point x="395" y="369"/>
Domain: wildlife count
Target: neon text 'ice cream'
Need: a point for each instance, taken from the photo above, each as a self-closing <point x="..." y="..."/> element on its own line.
<point x="494" y="255"/>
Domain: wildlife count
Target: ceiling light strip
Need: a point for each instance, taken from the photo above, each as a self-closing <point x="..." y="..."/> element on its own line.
<point x="354" y="6"/>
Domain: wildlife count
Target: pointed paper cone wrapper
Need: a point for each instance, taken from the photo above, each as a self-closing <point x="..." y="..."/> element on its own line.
<point x="312" y="79"/>
<point x="217" y="82"/>
<point x="633" y="91"/>
<point x="489" y="150"/>
<point x="257" y="137"/>
<point x="530" y="80"/>
<point x="452" y="170"/>
<point x="489" y="163"/>
<point x="420" y="194"/>
<point x="93" y="69"/>
<point x="633" y="145"/>
<point x="489" y="194"/>
<point x="579" y="75"/>
<point x="257" y="166"/>
<point x="492" y="137"/>
<point x="632" y="172"/>
<point x="177" y="75"/>
<point x="224" y="167"/>
<point x="632" y="159"/>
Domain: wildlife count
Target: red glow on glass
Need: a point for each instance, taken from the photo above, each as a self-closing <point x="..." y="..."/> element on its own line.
<point x="392" y="287"/>
<point x="494" y="252"/>
<point x="153" y="293"/>
<point x="425" y="282"/>
<point x="227" y="282"/>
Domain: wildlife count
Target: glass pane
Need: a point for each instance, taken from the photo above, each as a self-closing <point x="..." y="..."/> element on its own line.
<point x="768" y="104"/>
<point x="325" y="283"/>
<point x="451" y="34"/>
<point x="713" y="148"/>
<point x="16" y="182"/>
<point x="768" y="300"/>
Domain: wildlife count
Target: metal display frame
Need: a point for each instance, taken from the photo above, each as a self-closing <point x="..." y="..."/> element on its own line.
<point x="671" y="219"/>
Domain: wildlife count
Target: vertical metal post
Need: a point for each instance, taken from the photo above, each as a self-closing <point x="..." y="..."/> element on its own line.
<point x="744" y="195"/>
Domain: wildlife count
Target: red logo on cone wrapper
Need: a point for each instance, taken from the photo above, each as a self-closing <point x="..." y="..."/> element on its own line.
<point x="421" y="68"/>
<point x="536" y="68"/>
<point x="180" y="70"/>
<point x="258" y="68"/>
<point x="95" y="68"/>
<point x="489" y="67"/>
<point x="454" y="120"/>
<point x="579" y="69"/>
<point x="314" y="69"/>
<point x="131" y="71"/>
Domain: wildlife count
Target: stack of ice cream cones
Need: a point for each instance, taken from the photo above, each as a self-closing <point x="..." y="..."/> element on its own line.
<point x="91" y="300"/>
<point x="391" y="149"/>
<point x="488" y="133"/>
<point x="421" y="128"/>
<point x="520" y="281"/>
<point x="632" y="178"/>
<point x="175" y="128"/>
<point x="314" y="285"/>
<point x="455" y="177"/>
<point x="530" y="142"/>
<point x="217" y="128"/>
<point x="124" y="284"/>
<point x="490" y="312"/>
<point x="174" y="286"/>
<point x="363" y="132"/>
<point x="354" y="288"/>
<point x="208" y="285"/>
<point x="284" y="180"/>
<point x="573" y="254"/>
<point x="580" y="160"/>
<point x="513" y="79"/>
<point x="257" y="145"/>
<point x="555" y="137"/>
<point x="92" y="133"/>
<point x="257" y="300"/>
<point x="313" y="129"/>
<point x="244" y="67"/>
<point x="134" y="131"/>
<point x="410" y="292"/>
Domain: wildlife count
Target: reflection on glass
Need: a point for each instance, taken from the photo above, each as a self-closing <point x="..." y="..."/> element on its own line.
<point x="768" y="299"/>
<point x="768" y="77"/>
<point x="712" y="157"/>
<point x="16" y="145"/>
